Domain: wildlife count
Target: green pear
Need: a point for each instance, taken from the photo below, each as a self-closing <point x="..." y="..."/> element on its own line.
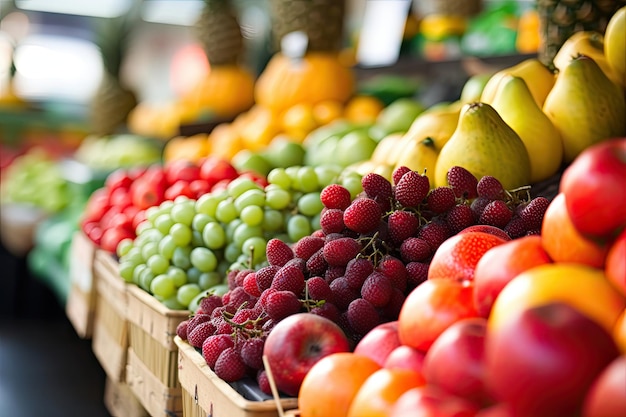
<point x="484" y="145"/>
<point x="585" y="106"/>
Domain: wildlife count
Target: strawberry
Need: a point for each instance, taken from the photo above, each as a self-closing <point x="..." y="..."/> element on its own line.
<point x="441" y="199"/>
<point x="340" y="251"/>
<point x="214" y="345"/>
<point x="378" y="188"/>
<point x="398" y="173"/>
<point x="335" y="196"/>
<point x="363" y="215"/>
<point x="533" y="212"/>
<point x="462" y="182"/>
<point x="415" y="249"/>
<point x="490" y="187"/>
<point x="412" y="189"/>
<point x="230" y="366"/>
<point x="459" y="217"/>
<point x="362" y="316"/>
<point x="331" y="221"/>
<point x="281" y="304"/>
<point x="278" y="252"/>
<point x="377" y="289"/>
<point x="496" y="213"/>
<point x="401" y="225"/>
<point x="307" y="246"/>
<point x="199" y="334"/>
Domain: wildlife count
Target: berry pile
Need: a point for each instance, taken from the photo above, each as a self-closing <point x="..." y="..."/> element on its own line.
<point x="371" y="250"/>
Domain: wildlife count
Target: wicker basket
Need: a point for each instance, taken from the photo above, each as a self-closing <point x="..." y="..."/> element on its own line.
<point x="447" y="7"/>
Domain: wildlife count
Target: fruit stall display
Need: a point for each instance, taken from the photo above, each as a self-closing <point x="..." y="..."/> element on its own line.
<point x="462" y="259"/>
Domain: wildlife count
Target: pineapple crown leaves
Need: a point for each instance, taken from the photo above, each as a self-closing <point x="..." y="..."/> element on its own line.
<point x="112" y="37"/>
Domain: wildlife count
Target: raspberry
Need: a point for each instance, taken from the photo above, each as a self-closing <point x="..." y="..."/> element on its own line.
<point x="516" y="227"/>
<point x="250" y="286"/>
<point x="239" y="297"/>
<point x="181" y="329"/>
<point x="241" y="275"/>
<point x="496" y="213"/>
<point x="338" y="252"/>
<point x="490" y="187"/>
<point x="394" y="269"/>
<point x="362" y="316"/>
<point x="318" y="289"/>
<point x="265" y="275"/>
<point x="363" y="215"/>
<point x="252" y="352"/>
<point x="391" y="311"/>
<point x="378" y="188"/>
<point x="377" y="289"/>
<point x="435" y="233"/>
<point x="398" y="173"/>
<point x="210" y="302"/>
<point x="402" y="224"/>
<point x="415" y="249"/>
<point x="417" y="272"/>
<point x="229" y="365"/>
<point x="264" y="382"/>
<point x="334" y="272"/>
<point x="199" y="334"/>
<point x="317" y="265"/>
<point x="289" y="278"/>
<point x="440" y="199"/>
<point x="357" y="270"/>
<point x="459" y="217"/>
<point x="462" y="182"/>
<point x="335" y="196"/>
<point x="342" y="294"/>
<point x="327" y="310"/>
<point x="195" y="320"/>
<point x="278" y="252"/>
<point x="214" y="345"/>
<point x="331" y="221"/>
<point x="478" y="206"/>
<point x="533" y="213"/>
<point x="412" y="189"/>
<point x="281" y="304"/>
<point x="307" y="246"/>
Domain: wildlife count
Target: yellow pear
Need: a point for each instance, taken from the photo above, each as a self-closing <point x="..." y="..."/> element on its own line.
<point x="514" y="103"/>
<point x="438" y="124"/>
<point x="539" y="78"/>
<point x="419" y="154"/>
<point x="585" y="106"/>
<point x="484" y="145"/>
<point x="615" y="45"/>
<point x="585" y="42"/>
<point x="386" y="146"/>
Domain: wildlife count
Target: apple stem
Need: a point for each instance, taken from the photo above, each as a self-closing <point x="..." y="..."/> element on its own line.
<point x="270" y="378"/>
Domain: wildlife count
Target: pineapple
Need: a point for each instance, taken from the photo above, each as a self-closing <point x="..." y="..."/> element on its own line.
<point x="561" y="18"/>
<point x="321" y="20"/>
<point x="113" y="100"/>
<point x="219" y="32"/>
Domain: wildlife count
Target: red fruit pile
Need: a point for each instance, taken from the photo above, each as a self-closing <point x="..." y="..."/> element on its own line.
<point x="357" y="269"/>
<point x="114" y="211"/>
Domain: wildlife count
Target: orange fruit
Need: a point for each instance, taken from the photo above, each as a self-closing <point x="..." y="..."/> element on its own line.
<point x="432" y="307"/>
<point x="619" y="332"/>
<point x="563" y="242"/>
<point x="363" y="109"/>
<point x="332" y="383"/>
<point x="457" y="256"/>
<point x="380" y="391"/>
<point x="326" y="111"/>
<point x="583" y="287"/>
<point x="298" y="120"/>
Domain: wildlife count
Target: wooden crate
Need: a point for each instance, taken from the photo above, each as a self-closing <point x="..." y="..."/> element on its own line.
<point x="151" y="368"/>
<point x="205" y="394"/>
<point x="120" y="400"/>
<point x="110" y="329"/>
<point x="81" y="299"/>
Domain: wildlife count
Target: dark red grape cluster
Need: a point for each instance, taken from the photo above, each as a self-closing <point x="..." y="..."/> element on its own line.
<point x="357" y="270"/>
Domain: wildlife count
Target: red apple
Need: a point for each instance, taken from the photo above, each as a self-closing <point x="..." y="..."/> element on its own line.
<point x="544" y="359"/>
<point x="501" y="264"/>
<point x="180" y="187"/>
<point x="594" y="188"/>
<point x="379" y="342"/>
<point x="406" y="357"/>
<point x="298" y="342"/>
<point x="615" y="265"/>
<point x="214" y="169"/>
<point x="120" y="178"/>
<point x="607" y="395"/>
<point x="181" y="170"/>
<point x="455" y="361"/>
<point x="431" y="401"/>
<point x="485" y="228"/>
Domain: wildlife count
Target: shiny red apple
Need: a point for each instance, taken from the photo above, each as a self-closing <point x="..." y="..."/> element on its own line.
<point x="595" y="191"/>
<point x="544" y="359"/>
<point x="379" y="342"/>
<point x="501" y="264"/>
<point x="431" y="401"/>
<point x="607" y="395"/>
<point x="298" y="342"/>
<point x="405" y="357"/>
<point x="455" y="361"/>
